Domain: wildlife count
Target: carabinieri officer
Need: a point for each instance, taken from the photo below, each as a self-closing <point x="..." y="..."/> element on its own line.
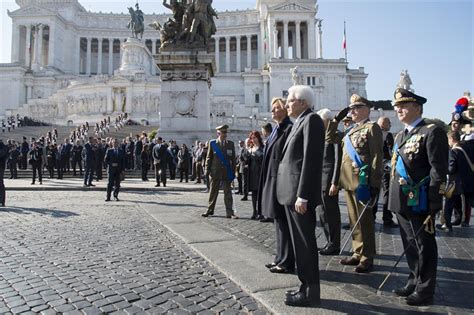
<point x="419" y="168"/>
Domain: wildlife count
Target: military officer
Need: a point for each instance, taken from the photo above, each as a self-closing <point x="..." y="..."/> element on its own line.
<point x="361" y="175"/>
<point x="419" y="168"/>
<point x="220" y="165"/>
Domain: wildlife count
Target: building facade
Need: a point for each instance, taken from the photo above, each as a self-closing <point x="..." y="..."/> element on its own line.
<point x="66" y="63"/>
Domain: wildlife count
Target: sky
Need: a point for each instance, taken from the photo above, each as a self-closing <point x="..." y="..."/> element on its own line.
<point x="432" y="39"/>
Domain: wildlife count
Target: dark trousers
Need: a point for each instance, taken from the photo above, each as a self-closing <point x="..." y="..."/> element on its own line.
<point x="60" y="168"/>
<point x="330" y="216"/>
<point x="386" y="214"/>
<point x="67" y="163"/>
<point x="245" y="181"/>
<point x="199" y="171"/>
<point x="37" y="170"/>
<point x="183" y="173"/>
<point x="302" y="230"/>
<point x="285" y="256"/>
<point x="98" y="171"/>
<point x="78" y="163"/>
<point x="23" y="162"/>
<point x="2" y="187"/>
<point x="256" y="213"/>
<point x="13" y="169"/>
<point x="239" y="181"/>
<point x="160" y="174"/>
<point x="144" y="168"/>
<point x="88" y="173"/>
<point x="50" y="168"/>
<point x="422" y="255"/>
<point x="113" y="183"/>
<point x="455" y="202"/>
<point x="172" y="168"/>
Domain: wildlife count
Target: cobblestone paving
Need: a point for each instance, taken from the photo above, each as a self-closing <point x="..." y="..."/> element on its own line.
<point x="455" y="282"/>
<point x="66" y="252"/>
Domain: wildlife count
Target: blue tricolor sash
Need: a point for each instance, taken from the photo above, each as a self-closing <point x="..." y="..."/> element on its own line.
<point x="417" y="194"/>
<point x="363" y="191"/>
<point x="220" y="155"/>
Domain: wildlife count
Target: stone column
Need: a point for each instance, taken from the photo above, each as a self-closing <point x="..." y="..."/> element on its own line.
<point x="15" y="43"/>
<point x="239" y="66"/>
<point x="320" y="40"/>
<point x="40" y="45"/>
<point x="111" y="56"/>
<point x="227" y="54"/>
<point x="275" y="40"/>
<point x="285" y="40"/>
<point x="269" y="32"/>
<point x="217" y="53"/>
<point x="51" y="44"/>
<point x="28" y="47"/>
<point x="153" y="52"/>
<point x="249" y="51"/>
<point x="88" y="58"/>
<point x="265" y="95"/>
<point x="34" y="61"/>
<point x="99" y="55"/>
<point x="28" y="92"/>
<point x="298" y="39"/>
<point x="261" y="52"/>
<point x="110" y="105"/>
<point x="77" y="61"/>
<point x="311" y="39"/>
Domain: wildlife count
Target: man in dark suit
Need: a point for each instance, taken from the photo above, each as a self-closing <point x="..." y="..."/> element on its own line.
<point x="88" y="157"/>
<point x="329" y="212"/>
<point x="160" y="159"/>
<point x="267" y="201"/>
<point x="25" y="147"/>
<point x="77" y="157"/>
<point x="220" y="166"/>
<point x="36" y="158"/>
<point x="419" y="168"/>
<point x="67" y="147"/>
<point x="114" y="160"/>
<point x="299" y="190"/>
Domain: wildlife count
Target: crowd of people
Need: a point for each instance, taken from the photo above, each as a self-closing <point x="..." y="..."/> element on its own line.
<point x="11" y="122"/>
<point x="294" y="171"/>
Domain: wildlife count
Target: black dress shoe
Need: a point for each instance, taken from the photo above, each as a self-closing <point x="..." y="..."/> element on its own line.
<point x="244" y="199"/>
<point x="116" y="198"/>
<point x="264" y="220"/>
<point x="278" y="269"/>
<point x="349" y="261"/>
<point x="91" y="185"/>
<point x="416" y="299"/>
<point x="206" y="214"/>
<point x="404" y="291"/>
<point x="157" y="185"/>
<point x="301" y="300"/>
<point x="270" y="265"/>
<point x="329" y="251"/>
<point x="108" y="199"/>
<point x="346" y="226"/>
<point x="364" y="267"/>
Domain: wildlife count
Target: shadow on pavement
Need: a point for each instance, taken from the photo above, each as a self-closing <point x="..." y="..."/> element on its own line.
<point x="43" y="211"/>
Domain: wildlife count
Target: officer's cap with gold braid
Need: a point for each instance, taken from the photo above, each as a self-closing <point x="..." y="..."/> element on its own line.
<point x="222" y="128"/>
<point x="405" y="96"/>
<point x="357" y="100"/>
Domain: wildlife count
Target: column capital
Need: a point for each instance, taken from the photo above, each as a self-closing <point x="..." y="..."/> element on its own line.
<point x="298" y="22"/>
<point x="227" y="37"/>
<point x="99" y="38"/>
<point x="249" y="36"/>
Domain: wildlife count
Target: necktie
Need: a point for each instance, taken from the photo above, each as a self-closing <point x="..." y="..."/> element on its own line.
<point x="273" y="134"/>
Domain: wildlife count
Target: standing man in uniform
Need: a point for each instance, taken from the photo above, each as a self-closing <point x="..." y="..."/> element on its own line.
<point x="114" y="160"/>
<point x="25" y="147"/>
<point x="89" y="159"/>
<point x="298" y="189"/>
<point x="3" y="161"/>
<point x="361" y="177"/>
<point x="220" y="166"/>
<point x="419" y="168"/>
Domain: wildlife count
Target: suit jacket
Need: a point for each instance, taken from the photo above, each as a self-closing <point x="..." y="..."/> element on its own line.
<point x="300" y="169"/>
<point x="160" y="155"/>
<point x="114" y="160"/>
<point x="460" y="164"/>
<point x="88" y="154"/>
<point x="331" y="163"/>
<point x="368" y="142"/>
<point x="214" y="166"/>
<point x="267" y="199"/>
<point x="424" y="151"/>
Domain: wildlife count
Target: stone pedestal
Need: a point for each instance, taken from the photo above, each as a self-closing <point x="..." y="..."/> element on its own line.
<point x="185" y="88"/>
<point x="135" y="58"/>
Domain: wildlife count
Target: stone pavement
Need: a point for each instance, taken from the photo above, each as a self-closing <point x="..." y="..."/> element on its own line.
<point x="83" y="250"/>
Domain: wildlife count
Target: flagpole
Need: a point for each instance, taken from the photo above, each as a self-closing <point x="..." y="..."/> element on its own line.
<point x="345" y="41"/>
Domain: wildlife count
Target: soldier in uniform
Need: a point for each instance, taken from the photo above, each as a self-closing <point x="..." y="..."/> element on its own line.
<point x="114" y="159"/>
<point x="361" y="176"/>
<point x="419" y="168"/>
<point x="220" y="166"/>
